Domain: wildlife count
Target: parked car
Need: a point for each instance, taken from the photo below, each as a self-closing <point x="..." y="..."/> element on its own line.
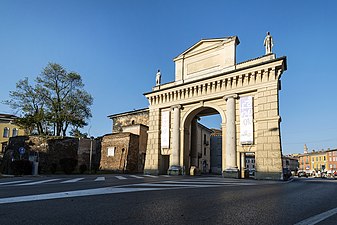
<point x="174" y="170"/>
<point x="302" y="174"/>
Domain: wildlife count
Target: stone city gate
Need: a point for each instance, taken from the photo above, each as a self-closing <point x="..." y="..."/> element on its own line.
<point x="209" y="81"/>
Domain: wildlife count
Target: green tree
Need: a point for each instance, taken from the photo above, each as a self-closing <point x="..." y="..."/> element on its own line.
<point x="56" y="102"/>
<point x="26" y="99"/>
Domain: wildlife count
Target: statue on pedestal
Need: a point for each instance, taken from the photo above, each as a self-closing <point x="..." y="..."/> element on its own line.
<point x="158" y="78"/>
<point x="268" y="43"/>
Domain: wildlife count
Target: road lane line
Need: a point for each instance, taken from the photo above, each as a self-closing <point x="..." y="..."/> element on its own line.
<point x="72" y="180"/>
<point x="15" y="182"/>
<point x="318" y="218"/>
<point x="100" y="179"/>
<point x="121" y="178"/>
<point x="37" y="182"/>
<point x="207" y="183"/>
<point x="72" y="194"/>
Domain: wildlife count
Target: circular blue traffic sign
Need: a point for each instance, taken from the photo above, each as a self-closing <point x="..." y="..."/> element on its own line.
<point x="22" y="150"/>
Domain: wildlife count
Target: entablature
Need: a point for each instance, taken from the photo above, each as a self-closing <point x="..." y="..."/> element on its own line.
<point x="261" y="74"/>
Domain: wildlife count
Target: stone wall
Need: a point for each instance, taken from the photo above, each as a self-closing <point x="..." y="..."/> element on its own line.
<point x="50" y="150"/>
<point x="120" y="152"/>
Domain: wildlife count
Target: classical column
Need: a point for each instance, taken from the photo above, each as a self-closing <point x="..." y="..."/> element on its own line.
<point x="175" y="136"/>
<point x="230" y="134"/>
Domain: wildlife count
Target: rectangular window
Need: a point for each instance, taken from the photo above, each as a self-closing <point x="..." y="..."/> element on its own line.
<point x="6" y="132"/>
<point x="111" y="151"/>
<point x="15" y="132"/>
<point x="204" y="151"/>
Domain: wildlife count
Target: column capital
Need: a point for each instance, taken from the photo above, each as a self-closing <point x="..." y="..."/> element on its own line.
<point x="175" y="106"/>
<point x="226" y="97"/>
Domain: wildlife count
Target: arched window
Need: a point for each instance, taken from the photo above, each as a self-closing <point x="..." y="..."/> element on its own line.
<point x="15" y="132"/>
<point x="133" y="122"/>
<point x="6" y="132"/>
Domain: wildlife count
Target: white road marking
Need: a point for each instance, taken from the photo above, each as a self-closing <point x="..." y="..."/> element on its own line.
<point x="113" y="190"/>
<point x="173" y="185"/>
<point x="166" y="175"/>
<point x="121" y="178"/>
<point x="37" y="182"/>
<point x="100" y="179"/>
<point x="15" y="182"/>
<point x="318" y="218"/>
<point x="138" y="177"/>
<point x="72" y="194"/>
<point x="151" y="176"/>
<point x="72" y="180"/>
<point x="208" y="183"/>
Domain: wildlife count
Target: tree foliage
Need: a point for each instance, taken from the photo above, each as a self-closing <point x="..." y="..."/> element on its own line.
<point x="56" y="102"/>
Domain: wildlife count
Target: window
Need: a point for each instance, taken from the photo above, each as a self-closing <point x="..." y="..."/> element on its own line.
<point x="15" y="132"/>
<point x="6" y="132"/>
<point x="324" y="158"/>
<point x="247" y="166"/>
<point x="111" y="151"/>
<point x="205" y="139"/>
<point x="253" y="166"/>
<point x="204" y="151"/>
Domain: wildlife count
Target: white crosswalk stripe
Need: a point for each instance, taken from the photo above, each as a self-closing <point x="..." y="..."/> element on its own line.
<point x="72" y="180"/>
<point x="100" y="179"/>
<point x="121" y="178"/>
<point x="14" y="182"/>
<point x="37" y="182"/>
<point x="138" y="177"/>
<point x="150" y="176"/>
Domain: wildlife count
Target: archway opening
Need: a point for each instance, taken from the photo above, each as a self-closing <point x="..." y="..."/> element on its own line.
<point x="203" y="142"/>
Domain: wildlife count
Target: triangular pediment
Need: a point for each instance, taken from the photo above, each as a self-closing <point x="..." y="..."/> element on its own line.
<point x="205" y="45"/>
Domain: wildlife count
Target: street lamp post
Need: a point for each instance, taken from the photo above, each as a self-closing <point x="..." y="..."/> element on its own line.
<point x="90" y="156"/>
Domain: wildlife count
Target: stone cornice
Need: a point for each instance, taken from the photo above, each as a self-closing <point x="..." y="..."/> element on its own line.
<point x="284" y="67"/>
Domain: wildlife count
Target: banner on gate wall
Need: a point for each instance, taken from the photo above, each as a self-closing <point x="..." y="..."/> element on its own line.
<point x="165" y="129"/>
<point x="246" y="120"/>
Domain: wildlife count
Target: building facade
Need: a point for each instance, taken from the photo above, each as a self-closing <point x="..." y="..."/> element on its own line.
<point x="209" y="81"/>
<point x="318" y="161"/>
<point x="216" y="151"/>
<point x="8" y="129"/>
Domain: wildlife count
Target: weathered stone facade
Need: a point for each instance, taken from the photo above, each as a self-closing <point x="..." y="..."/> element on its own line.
<point x="134" y="122"/>
<point x="209" y="81"/>
<point x="120" y="152"/>
<point x="50" y="150"/>
<point x="135" y="117"/>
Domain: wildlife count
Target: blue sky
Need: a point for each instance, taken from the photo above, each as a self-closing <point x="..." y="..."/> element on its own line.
<point x="118" y="45"/>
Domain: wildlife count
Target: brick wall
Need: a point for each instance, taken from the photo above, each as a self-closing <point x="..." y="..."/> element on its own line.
<point x="120" y="152"/>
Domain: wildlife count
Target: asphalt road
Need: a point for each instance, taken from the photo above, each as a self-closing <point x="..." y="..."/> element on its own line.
<point x="125" y="199"/>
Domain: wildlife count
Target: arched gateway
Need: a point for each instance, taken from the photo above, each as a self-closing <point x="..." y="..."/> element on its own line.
<point x="209" y="81"/>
